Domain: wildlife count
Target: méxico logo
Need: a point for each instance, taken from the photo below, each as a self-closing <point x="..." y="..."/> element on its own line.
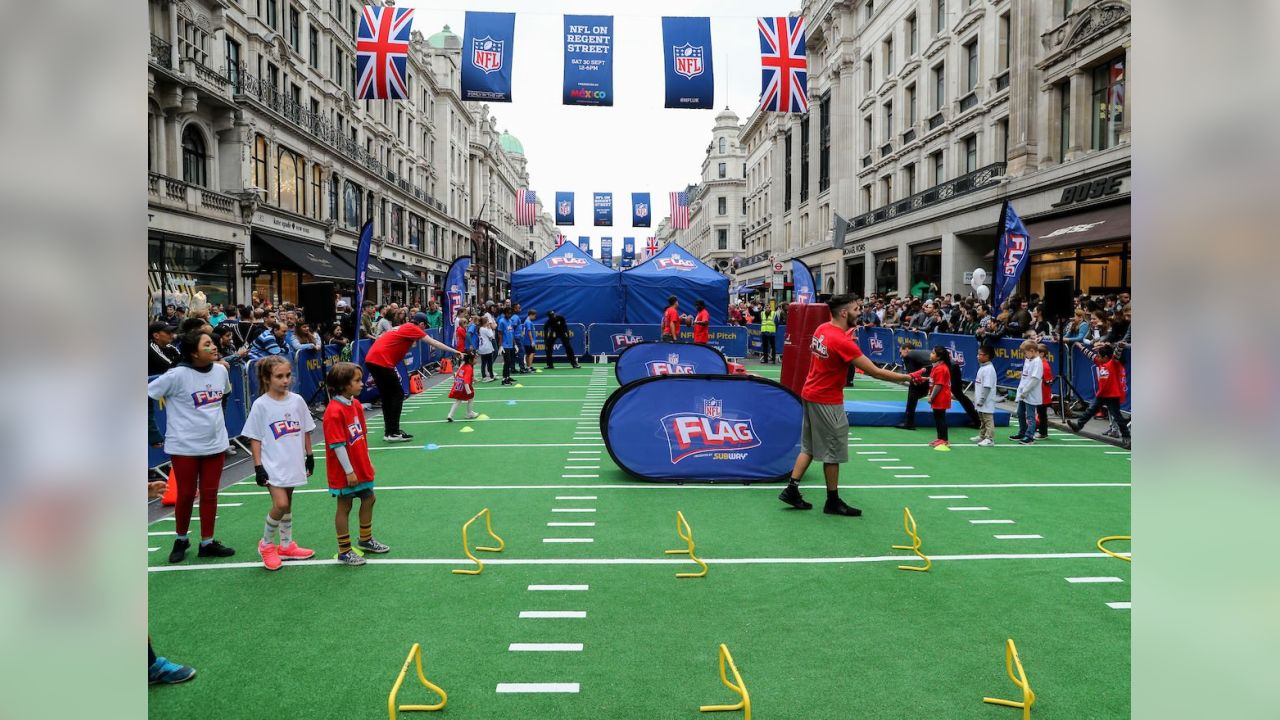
<point x="208" y="397"/>
<point x="688" y="60"/>
<point x="625" y="340"/>
<point x="708" y="433"/>
<point x="567" y="261"/>
<point x="486" y="54"/>
<point x="287" y="426"/>
<point x="675" y="262"/>
<point x="671" y="367"/>
<point x="1014" y="251"/>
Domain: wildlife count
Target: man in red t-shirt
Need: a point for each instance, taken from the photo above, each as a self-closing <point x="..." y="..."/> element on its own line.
<point x="824" y="434"/>
<point x="387" y="352"/>
<point x="671" y="321"/>
<point x="701" y="324"/>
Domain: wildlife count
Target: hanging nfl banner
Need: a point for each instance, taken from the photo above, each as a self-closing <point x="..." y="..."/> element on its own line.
<point x="488" y="43"/>
<point x="628" y="252"/>
<point x="640" y="213"/>
<point x="584" y="244"/>
<point x="604" y="209"/>
<point x="686" y="48"/>
<point x="606" y="251"/>
<point x="588" y="60"/>
<point x="564" y="208"/>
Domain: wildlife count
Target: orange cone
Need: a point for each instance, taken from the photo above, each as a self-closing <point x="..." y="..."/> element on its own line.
<point x="170" y="496"/>
<point x="446" y="365"/>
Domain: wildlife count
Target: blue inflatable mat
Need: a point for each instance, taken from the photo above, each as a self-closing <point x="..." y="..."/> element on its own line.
<point x="887" y="413"/>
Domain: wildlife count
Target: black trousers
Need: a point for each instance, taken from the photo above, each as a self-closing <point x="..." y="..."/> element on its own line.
<point x="392" y="395"/>
<point x="940" y="421"/>
<point x="508" y="360"/>
<point x="957" y="392"/>
<point x="1113" y="411"/>
<point x="1042" y="420"/>
<point x="915" y="391"/>
<point x="768" y="347"/>
<point x="486" y="365"/>
<point x="563" y="339"/>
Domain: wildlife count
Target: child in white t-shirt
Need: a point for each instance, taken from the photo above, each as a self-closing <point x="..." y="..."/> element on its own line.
<point x="279" y="428"/>
<point x="984" y="397"/>
<point x="1029" y="392"/>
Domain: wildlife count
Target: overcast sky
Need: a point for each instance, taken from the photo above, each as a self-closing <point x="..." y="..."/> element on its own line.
<point x="636" y="145"/>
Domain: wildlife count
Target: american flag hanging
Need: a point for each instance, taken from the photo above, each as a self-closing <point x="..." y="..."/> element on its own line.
<point x="382" y="53"/>
<point x="526" y="207"/>
<point x="784" y="67"/>
<point x="650" y="247"/>
<point x="679" y="210"/>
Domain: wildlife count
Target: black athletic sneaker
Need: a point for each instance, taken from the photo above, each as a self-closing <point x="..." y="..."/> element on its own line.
<point x="1075" y="426"/>
<point x="400" y="436"/>
<point x="791" y="496"/>
<point x="179" y="550"/>
<point x="904" y="426"/>
<point x="215" y="549"/>
<point x="1016" y="437"/>
<point x="839" y="507"/>
<point x="448" y="419"/>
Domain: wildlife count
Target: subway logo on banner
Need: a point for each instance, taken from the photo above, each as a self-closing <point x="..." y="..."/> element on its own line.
<point x="709" y="434"/>
<point x="1016" y="248"/>
<point x="206" y="398"/>
<point x="625" y="340"/>
<point x="567" y="261"/>
<point x="675" y="262"/>
<point x="671" y="367"/>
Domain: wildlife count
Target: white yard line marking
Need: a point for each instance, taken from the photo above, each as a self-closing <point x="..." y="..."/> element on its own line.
<point x="872" y="452"/>
<point x="897" y="467"/>
<point x="1102" y="579"/>
<point x="991" y="522"/>
<point x="197" y="505"/>
<point x="880" y="459"/>
<point x="559" y="587"/>
<point x="948" y="497"/>
<point x="568" y="540"/>
<point x="152" y="549"/>
<point x="1120" y="605"/>
<point x="580" y="476"/>
<point x="537" y="687"/>
<point x="374" y="424"/>
<point x="545" y="647"/>
<point x="708" y="487"/>
<point x="1118" y="452"/>
<point x="469" y="446"/>
<point x="552" y="614"/>
<point x="571" y="524"/>
<point x="576" y="497"/>
<point x="971" y="447"/>
<point x="581" y="467"/>
<point x="584" y="452"/>
<point x="1018" y="537"/>
<point x="573" y="510"/>
<point x="257" y="566"/>
<point x="911" y="476"/>
<point x="967" y="508"/>
<point x="165" y="533"/>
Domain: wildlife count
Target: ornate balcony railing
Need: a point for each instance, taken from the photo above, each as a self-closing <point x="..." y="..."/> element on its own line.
<point x="967" y="183"/>
<point x="161" y="52"/>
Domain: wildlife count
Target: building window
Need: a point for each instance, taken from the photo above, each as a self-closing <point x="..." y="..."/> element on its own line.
<point x="866" y="72"/>
<point x="868" y="10"/>
<point x="317" y="191"/>
<point x="786" y="173"/>
<point x="1064" y="119"/>
<point x="824" y="143"/>
<point x="886" y="189"/>
<point x="260" y="165"/>
<point x="1066" y="8"/>
<point x="911" y="107"/>
<point x="939" y="86"/>
<point x="723" y="170"/>
<point x="1002" y="139"/>
<point x="397" y="225"/>
<point x="352" y="20"/>
<point x="909" y="180"/>
<point x="888" y="57"/>
<point x="273" y="20"/>
<point x="939" y="16"/>
<point x="939" y="167"/>
<point x="913" y="36"/>
<point x="722" y="239"/>
<point x="1005" y="47"/>
<point x="971" y="153"/>
<point x="804" y="158"/>
<point x="971" y="68"/>
<point x="338" y="63"/>
<point x="888" y="121"/>
<point x="887" y="271"/>
<point x="295" y="29"/>
<point x="1108" y="103"/>
<point x="314" y="47"/>
<point x="723" y="146"/>
<point x="194" y="168"/>
<point x="291" y="181"/>
<point x="868" y="139"/>
<point x="352" y="194"/>
<point x="866" y="198"/>
<point x="233" y="64"/>
<point x="722" y="206"/>
<point x="333" y="198"/>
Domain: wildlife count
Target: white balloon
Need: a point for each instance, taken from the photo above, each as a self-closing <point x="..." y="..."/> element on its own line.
<point x="983" y="292"/>
<point x="979" y="276"/>
<point x="975" y="283"/>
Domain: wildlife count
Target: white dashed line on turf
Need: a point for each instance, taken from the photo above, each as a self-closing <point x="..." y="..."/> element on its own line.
<point x="911" y="476"/>
<point x="573" y="510"/>
<point x="576" y="497"/>
<point x="571" y="524"/>
<point x="1018" y="537"/>
<point x="580" y="476"/>
<point x="948" y="497"/>
<point x="553" y="614"/>
<point x="897" y="467"/>
<point x="584" y="452"/>
<point x="1103" y="579"/>
<point x="537" y="687"/>
<point x="556" y="588"/>
<point x="152" y="549"/>
<point x="880" y="459"/>
<point x="1120" y="605"/>
<point x="872" y="452"/>
<point x="545" y="647"/>
<point x="974" y="508"/>
<point x="568" y="540"/>
<point x="991" y="522"/>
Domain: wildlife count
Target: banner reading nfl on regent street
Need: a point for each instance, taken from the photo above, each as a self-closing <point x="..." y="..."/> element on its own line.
<point x="588" y="60"/>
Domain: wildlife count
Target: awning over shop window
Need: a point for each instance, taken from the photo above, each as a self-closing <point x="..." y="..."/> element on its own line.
<point x="403" y="274"/>
<point x="1093" y="227"/>
<point x="377" y="271"/>
<point x="307" y="257"/>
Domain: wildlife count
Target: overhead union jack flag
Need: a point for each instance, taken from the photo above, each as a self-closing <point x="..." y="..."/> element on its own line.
<point x="382" y="53"/>
<point x="651" y="247"/>
<point x="679" y="210"/>
<point x="784" y="67"/>
<point x="526" y="207"/>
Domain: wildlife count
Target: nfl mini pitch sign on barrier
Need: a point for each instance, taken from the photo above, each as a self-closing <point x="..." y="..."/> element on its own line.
<point x="737" y="686"/>
<point x="909" y="524"/>
<point x="466" y="545"/>
<point x="1012" y="661"/>
<point x="415" y="654"/>
<point x="1114" y="538"/>
<point x="686" y="534"/>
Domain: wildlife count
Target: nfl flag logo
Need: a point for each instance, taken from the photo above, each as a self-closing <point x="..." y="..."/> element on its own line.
<point x="712" y="408"/>
<point x="564" y="207"/>
<point x="486" y="54"/>
<point x="688" y="60"/>
<point x="642" y="210"/>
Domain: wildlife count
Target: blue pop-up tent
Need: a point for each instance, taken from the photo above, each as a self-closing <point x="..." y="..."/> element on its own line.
<point x="674" y="271"/>
<point x="571" y="282"/>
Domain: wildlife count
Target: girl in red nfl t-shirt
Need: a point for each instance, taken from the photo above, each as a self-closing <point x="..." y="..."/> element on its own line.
<point x="464" y="388"/>
<point x="939" y="394"/>
<point x="346" y="450"/>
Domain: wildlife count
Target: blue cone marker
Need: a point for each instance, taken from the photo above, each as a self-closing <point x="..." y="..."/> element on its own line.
<point x="431" y="446"/>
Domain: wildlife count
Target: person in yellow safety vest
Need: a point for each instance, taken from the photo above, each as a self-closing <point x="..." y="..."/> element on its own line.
<point x="768" y="334"/>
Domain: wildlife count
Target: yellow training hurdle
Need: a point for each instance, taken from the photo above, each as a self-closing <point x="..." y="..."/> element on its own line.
<point x="909" y="524"/>
<point x="740" y="687"/>
<point x="686" y="534"/>
<point x="1011" y="661"/>
<point x="1103" y="541"/>
<point x="415" y="653"/>
<point x="466" y="546"/>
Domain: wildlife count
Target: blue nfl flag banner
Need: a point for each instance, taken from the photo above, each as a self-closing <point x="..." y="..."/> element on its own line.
<point x="640" y="210"/>
<point x="362" y="271"/>
<point x="488" y="44"/>
<point x="564" y="208"/>
<point x="606" y="251"/>
<point x="1012" y="250"/>
<point x="584" y="244"/>
<point x="588" y="60"/>
<point x="686" y="49"/>
<point x="804" y="288"/>
<point x="604" y="209"/>
<point x="455" y="294"/>
<point x="382" y="53"/>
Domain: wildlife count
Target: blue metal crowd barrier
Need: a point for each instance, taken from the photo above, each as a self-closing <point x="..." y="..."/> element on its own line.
<point x="755" y="344"/>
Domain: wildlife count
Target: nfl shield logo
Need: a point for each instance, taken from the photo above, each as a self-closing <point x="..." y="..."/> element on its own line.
<point x="486" y="54"/>
<point x="564" y="207"/>
<point x="688" y="60"/>
<point x="712" y="407"/>
<point x="673" y="359"/>
<point x="642" y="210"/>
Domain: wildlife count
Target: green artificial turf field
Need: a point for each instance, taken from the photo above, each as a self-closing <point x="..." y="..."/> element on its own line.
<point x="821" y="622"/>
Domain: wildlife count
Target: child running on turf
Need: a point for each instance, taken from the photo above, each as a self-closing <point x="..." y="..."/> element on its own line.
<point x="1109" y="374"/>
<point x="940" y="396"/>
<point x="985" y="397"/>
<point x="347" y="461"/>
<point x="279" y="431"/>
<point x="1046" y="394"/>
<point x="1029" y="392"/>
<point x="464" y="386"/>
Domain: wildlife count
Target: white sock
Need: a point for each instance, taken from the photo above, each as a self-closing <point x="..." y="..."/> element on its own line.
<point x="454" y="409"/>
<point x="269" y="531"/>
<point x="469" y="410"/>
<point x="286" y="529"/>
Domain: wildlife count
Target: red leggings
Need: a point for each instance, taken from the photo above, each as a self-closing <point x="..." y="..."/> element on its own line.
<point x="190" y="471"/>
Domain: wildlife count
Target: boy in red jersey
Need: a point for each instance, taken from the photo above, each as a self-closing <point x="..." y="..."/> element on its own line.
<point x="1108" y="371"/>
<point x="671" y="320"/>
<point x="346" y="450"/>
<point x="1046" y="394"/>
<point x="824" y="433"/>
<point x="702" y="324"/>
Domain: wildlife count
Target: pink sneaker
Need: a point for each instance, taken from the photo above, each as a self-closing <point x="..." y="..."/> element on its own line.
<point x="270" y="555"/>
<point x="293" y="552"/>
<point x="935" y="443"/>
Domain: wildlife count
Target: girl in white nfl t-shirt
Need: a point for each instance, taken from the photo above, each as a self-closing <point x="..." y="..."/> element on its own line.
<point x="279" y="428"/>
